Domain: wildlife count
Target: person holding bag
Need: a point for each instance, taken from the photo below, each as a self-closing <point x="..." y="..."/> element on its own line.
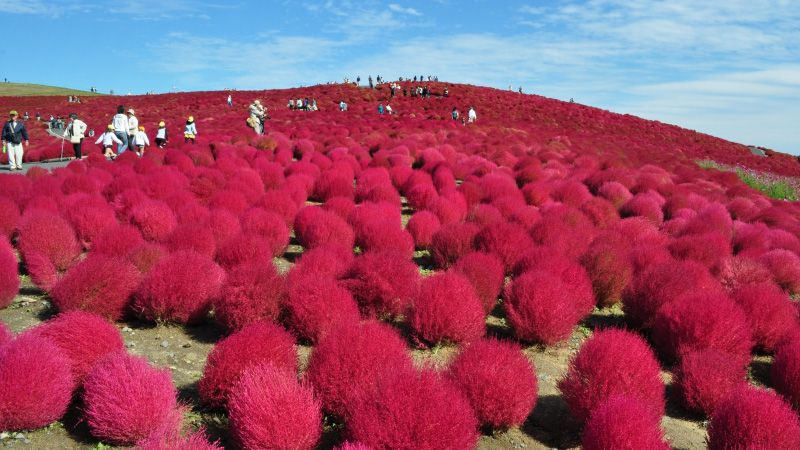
<point x="75" y="132"/>
<point x="14" y="132"/>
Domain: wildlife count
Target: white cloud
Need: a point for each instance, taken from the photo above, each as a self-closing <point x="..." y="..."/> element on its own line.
<point x="399" y="9"/>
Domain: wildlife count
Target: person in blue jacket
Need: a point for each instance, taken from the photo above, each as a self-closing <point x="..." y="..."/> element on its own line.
<point x="190" y="131"/>
<point x="14" y="132"/>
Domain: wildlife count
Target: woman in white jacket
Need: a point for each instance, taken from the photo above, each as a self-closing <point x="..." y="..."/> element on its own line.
<point x="121" y="126"/>
<point x="75" y="132"/>
<point x="133" y="126"/>
<point x="108" y="139"/>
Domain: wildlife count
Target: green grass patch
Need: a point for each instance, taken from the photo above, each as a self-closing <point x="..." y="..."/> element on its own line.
<point x="773" y="188"/>
<point x="27" y="89"/>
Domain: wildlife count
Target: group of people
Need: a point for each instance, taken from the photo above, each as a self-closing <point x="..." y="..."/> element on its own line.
<point x="73" y="99"/>
<point x="472" y="116"/>
<point x="303" y="104"/>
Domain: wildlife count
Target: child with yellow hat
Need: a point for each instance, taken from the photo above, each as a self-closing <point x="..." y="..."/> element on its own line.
<point x="161" y="135"/>
<point x="140" y="141"/>
<point x="108" y="139"/>
<point x="189" y="131"/>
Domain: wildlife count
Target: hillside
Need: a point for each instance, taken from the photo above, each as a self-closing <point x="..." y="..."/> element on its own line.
<point x="27" y="89"/>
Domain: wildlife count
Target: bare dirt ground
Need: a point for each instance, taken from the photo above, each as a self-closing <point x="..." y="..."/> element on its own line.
<point x="184" y="349"/>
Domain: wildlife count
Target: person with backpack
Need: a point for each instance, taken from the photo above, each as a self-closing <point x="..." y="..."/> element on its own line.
<point x="189" y="131"/>
<point x="121" y="126"/>
<point x="108" y="139"/>
<point x="161" y="135"/>
<point x="257" y="116"/>
<point x="75" y="132"/>
<point x="14" y="132"/>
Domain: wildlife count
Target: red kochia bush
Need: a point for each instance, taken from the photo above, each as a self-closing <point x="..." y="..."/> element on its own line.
<point x="703" y="321"/>
<point x="707" y="249"/>
<point x="99" y="284"/>
<point x="9" y="278"/>
<point x="786" y="371"/>
<point x="252" y="291"/>
<point x="422" y="411"/>
<point x="117" y="240"/>
<point x="422" y="226"/>
<point x="125" y="399"/>
<point x="9" y="218"/>
<point x="704" y="378"/>
<point x="49" y="235"/>
<point x="349" y="361"/>
<point x="785" y="268"/>
<point x="613" y="362"/>
<point x="244" y="248"/>
<point x="609" y="267"/>
<point x="661" y="284"/>
<point x="315" y="227"/>
<point x="179" y="288"/>
<point x="382" y="283"/>
<point x="769" y="312"/>
<point x="752" y="418"/>
<point x="508" y="241"/>
<point x="622" y="423"/>
<point x="498" y="381"/>
<point x="325" y="261"/>
<point x="447" y="309"/>
<point x="269" y="226"/>
<point x="452" y="242"/>
<point x="170" y="438"/>
<point x="353" y="446"/>
<point x="315" y="306"/>
<point x="36" y="384"/>
<point x="270" y="409"/>
<point x="253" y="344"/>
<point x="84" y="338"/>
<point x="542" y="307"/>
<point x="154" y="219"/>
<point x="193" y="236"/>
<point x="485" y="272"/>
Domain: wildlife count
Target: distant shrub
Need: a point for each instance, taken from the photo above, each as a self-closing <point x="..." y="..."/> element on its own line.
<point x="452" y="242"/>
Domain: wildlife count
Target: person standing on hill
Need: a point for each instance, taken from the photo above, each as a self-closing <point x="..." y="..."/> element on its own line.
<point x="454" y="113"/>
<point x="257" y="116"/>
<point x="14" y="132"/>
<point x="120" y="124"/>
<point x="472" y="115"/>
<point x="380" y="108"/>
<point x="140" y="141"/>
<point x="75" y="133"/>
<point x="161" y="135"/>
<point x="133" y="126"/>
<point x="189" y="131"/>
<point x="230" y="101"/>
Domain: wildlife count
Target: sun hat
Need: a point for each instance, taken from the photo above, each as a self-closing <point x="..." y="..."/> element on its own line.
<point x="191" y="119"/>
<point x="110" y="127"/>
<point x="162" y="124"/>
<point x="13" y="112"/>
<point x="131" y="111"/>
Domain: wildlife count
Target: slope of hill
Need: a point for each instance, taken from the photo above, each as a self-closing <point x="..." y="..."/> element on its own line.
<point x="27" y="89"/>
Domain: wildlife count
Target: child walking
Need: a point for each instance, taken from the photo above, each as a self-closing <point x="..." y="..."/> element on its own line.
<point x="161" y="135"/>
<point x="140" y="141"/>
<point x="108" y="139"/>
<point x="189" y="131"/>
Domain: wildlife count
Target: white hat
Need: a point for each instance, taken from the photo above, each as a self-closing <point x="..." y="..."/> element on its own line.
<point x="131" y="111"/>
<point x="257" y="102"/>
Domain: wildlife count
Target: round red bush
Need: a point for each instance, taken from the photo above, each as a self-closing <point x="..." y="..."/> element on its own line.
<point x="613" y="362"/>
<point x="703" y="321"/>
<point x="565" y="229"/>
<point x="497" y="380"/>
<point x="325" y="261"/>
<point x="252" y="291"/>
<point x="508" y="241"/>
<point x="117" y="240"/>
<point x="349" y="361"/>
<point x="768" y="311"/>
<point x="609" y="267"/>
<point x="786" y="370"/>
<point x="485" y="272"/>
<point x="193" y="236"/>
<point x="382" y="283"/>
<point x="99" y="284"/>
<point x="49" y="235"/>
<point x="451" y="242"/>
<point x="36" y="383"/>
<point x="542" y="307"/>
<point x="9" y="219"/>
<point x="315" y="306"/>
<point x="753" y="418"/>
<point x="179" y="288"/>
<point x="125" y="399"/>
<point x="446" y="309"/>
<point x="9" y="277"/>
<point x="244" y="248"/>
<point x="314" y="227"/>
<point x="785" y="268"/>
<point x="421" y="410"/>
<point x="84" y="338"/>
<point x="154" y="219"/>
<point x="622" y="423"/>
<point x="5" y="334"/>
<point x="708" y="249"/>
<point x="170" y="438"/>
<point x="269" y="226"/>
<point x="704" y="378"/>
<point x="254" y="344"/>
<point x="269" y="409"/>
<point x="643" y="205"/>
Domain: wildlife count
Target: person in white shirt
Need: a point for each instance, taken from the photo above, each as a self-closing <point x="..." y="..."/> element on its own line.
<point x="472" y="115"/>
<point x="189" y="131"/>
<point x="133" y="126"/>
<point x="342" y="106"/>
<point x="121" y="127"/>
<point x="230" y="100"/>
<point x="108" y="139"/>
<point x="140" y="141"/>
<point x="257" y="116"/>
<point x="161" y="135"/>
<point x="75" y="132"/>
<point x="389" y="109"/>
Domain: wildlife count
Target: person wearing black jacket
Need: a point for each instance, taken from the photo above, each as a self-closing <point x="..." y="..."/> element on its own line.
<point x="14" y="132"/>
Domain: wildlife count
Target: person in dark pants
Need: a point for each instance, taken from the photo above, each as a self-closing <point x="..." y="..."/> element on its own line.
<point x="75" y="132"/>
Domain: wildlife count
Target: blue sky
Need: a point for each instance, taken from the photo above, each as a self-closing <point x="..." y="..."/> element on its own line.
<point x="729" y="68"/>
